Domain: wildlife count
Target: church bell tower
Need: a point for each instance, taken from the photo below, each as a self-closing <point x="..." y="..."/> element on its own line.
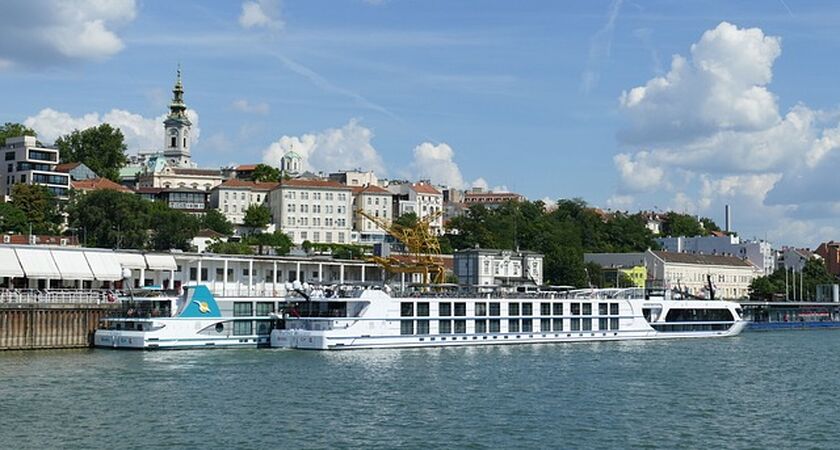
<point x="177" y="128"/>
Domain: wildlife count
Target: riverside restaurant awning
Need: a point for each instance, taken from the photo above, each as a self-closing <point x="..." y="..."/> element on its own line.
<point x="9" y="265"/>
<point x="37" y="263"/>
<point x="72" y="264"/>
<point x="105" y="266"/>
<point x="133" y="261"/>
<point x="161" y="262"/>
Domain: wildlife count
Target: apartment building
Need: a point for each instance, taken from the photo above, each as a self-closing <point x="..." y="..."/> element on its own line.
<point x="758" y="252"/>
<point x="317" y="211"/>
<point x="377" y="202"/>
<point x="27" y="162"/>
<point x="420" y="198"/>
<point x="233" y="197"/>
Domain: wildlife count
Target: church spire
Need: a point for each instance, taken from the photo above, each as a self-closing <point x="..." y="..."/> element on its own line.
<point x="177" y="109"/>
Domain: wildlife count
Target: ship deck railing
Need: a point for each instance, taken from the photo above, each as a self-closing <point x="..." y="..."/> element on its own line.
<point x="57" y="296"/>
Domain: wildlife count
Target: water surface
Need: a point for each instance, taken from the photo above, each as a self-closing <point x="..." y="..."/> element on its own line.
<point x="758" y="390"/>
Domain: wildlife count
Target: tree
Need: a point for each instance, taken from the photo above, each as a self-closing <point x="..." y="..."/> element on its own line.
<point x="40" y="207"/>
<point x="676" y="224"/>
<point x="264" y="172"/>
<point x="10" y="129"/>
<point x="277" y="240"/>
<point x="257" y="217"/>
<point x="216" y="221"/>
<point x="230" y="248"/>
<point x="100" y="148"/>
<point x="709" y="225"/>
<point x="12" y="219"/>
<point x="407" y="220"/>
<point x="171" y="229"/>
<point x="772" y="287"/>
<point x="110" y="219"/>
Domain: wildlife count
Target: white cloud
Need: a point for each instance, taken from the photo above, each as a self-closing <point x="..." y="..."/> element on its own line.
<point x="247" y="107"/>
<point x="621" y="202"/>
<point x="709" y="132"/>
<point x="46" y="32"/>
<point x="141" y="133"/>
<point x="480" y="183"/>
<point x="261" y="14"/>
<point x="333" y="149"/>
<point x="436" y="163"/>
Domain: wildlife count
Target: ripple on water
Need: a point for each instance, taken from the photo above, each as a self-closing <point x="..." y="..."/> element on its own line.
<point x="754" y="391"/>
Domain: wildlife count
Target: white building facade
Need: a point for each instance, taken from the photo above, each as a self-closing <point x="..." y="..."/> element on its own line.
<point x="313" y="210"/>
<point x="489" y="268"/>
<point x="760" y="253"/>
<point x="233" y="197"/>
<point x="25" y="162"/>
<point x="420" y="198"/>
<point x="376" y="202"/>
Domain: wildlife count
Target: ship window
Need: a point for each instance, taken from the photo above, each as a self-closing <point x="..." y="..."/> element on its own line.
<point x="444" y="326"/>
<point x="575" y="324"/>
<point x="602" y="309"/>
<point x="558" y="309"/>
<point x="406" y="310"/>
<point x="422" y="327"/>
<point x="575" y="309"/>
<point x="527" y="325"/>
<point x="545" y="324"/>
<point x="527" y="309"/>
<point x="460" y="309"/>
<point x="460" y="326"/>
<point x="242" y="309"/>
<point x="614" y="323"/>
<point x="265" y="308"/>
<point x="495" y="325"/>
<point x="480" y="326"/>
<point x="423" y="309"/>
<point x="220" y="327"/>
<point x="602" y="324"/>
<point x="495" y="309"/>
<point x="587" y="324"/>
<point x="545" y="309"/>
<point x="513" y="309"/>
<point x="481" y="309"/>
<point x="698" y="315"/>
<point x="193" y="273"/>
<point x="241" y="327"/>
<point x="407" y="327"/>
<point x="558" y="324"/>
<point x="587" y="309"/>
<point x="613" y="309"/>
<point x="513" y="325"/>
<point x="445" y="309"/>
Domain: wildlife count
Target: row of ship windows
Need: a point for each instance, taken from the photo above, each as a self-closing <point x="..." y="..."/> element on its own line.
<point x="421" y="309"/>
<point x="421" y="327"/>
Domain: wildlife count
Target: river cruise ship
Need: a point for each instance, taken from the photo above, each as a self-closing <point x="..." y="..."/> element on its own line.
<point x="373" y="318"/>
<point x="153" y="320"/>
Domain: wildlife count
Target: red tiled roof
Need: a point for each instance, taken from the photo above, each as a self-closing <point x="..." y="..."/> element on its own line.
<point x="23" y="239"/>
<point x="98" y="183"/>
<point x="424" y="188"/>
<point x="191" y="171"/>
<point x="245" y="184"/>
<point x="246" y="167"/>
<point x="208" y="233"/>
<point x="370" y="189"/>
<point x="313" y="184"/>
<point x="67" y="167"/>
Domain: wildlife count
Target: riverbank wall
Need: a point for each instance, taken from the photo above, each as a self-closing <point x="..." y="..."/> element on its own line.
<point x="31" y="326"/>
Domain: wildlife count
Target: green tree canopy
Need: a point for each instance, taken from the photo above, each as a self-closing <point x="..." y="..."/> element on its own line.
<point x="676" y="224"/>
<point x="101" y="148"/>
<point x="264" y="172"/>
<point x="10" y="129"/>
<point x="772" y="287"/>
<point x="230" y="248"/>
<point x="257" y="217"/>
<point x="13" y="219"/>
<point x="171" y="229"/>
<point x="40" y="207"/>
<point x="216" y="221"/>
<point x="110" y="219"/>
<point x="279" y="241"/>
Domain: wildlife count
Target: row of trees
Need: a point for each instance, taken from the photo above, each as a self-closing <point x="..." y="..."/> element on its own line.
<point x="779" y="283"/>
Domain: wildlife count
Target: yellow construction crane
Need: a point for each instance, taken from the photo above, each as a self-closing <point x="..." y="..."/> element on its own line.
<point x="420" y="242"/>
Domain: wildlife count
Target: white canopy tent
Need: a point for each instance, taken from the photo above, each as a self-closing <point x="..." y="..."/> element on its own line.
<point x="105" y="265"/>
<point x="38" y="263"/>
<point x="133" y="261"/>
<point x="71" y="264"/>
<point x="9" y="264"/>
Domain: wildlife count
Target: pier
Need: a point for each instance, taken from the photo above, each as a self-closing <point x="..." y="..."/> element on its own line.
<point x="27" y="323"/>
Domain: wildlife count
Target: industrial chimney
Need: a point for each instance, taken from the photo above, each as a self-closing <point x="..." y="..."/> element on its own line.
<point x="728" y="220"/>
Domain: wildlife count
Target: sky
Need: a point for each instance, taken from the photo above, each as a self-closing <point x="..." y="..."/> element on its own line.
<point x="630" y="105"/>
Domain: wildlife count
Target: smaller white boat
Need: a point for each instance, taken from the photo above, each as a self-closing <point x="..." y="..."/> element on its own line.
<point x="155" y="320"/>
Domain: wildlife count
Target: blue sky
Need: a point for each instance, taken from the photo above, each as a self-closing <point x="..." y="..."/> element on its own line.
<point x="536" y="97"/>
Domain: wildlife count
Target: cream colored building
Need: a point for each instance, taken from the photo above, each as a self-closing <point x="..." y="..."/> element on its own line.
<point x="313" y="210"/>
<point x="376" y="202"/>
<point x="181" y="177"/>
<point x="355" y="178"/>
<point x="420" y="198"/>
<point x="233" y="197"/>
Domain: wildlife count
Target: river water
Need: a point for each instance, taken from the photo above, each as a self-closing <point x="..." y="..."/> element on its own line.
<point x="758" y="390"/>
